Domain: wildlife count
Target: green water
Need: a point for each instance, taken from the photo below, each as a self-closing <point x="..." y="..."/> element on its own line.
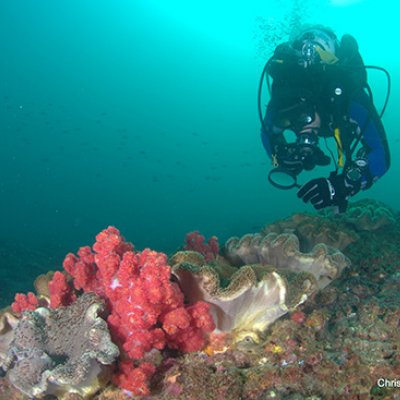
<point x="142" y="114"/>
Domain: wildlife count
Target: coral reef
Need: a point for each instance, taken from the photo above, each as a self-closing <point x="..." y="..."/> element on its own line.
<point x="63" y="350"/>
<point x="365" y="215"/>
<point x="282" y="251"/>
<point x="335" y="345"/>
<point x="312" y="229"/>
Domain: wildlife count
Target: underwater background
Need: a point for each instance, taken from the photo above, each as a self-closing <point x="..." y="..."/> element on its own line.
<point x="143" y="115"/>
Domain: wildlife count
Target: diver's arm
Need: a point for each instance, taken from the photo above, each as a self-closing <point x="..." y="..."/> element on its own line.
<point x="375" y="147"/>
<point x="368" y="164"/>
<point x="271" y="136"/>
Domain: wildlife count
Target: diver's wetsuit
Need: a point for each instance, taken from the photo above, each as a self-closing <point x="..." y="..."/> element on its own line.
<point x="309" y="71"/>
<point x="373" y="137"/>
<point x="360" y="110"/>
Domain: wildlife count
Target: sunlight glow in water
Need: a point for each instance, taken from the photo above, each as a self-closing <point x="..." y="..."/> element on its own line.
<point x="345" y="2"/>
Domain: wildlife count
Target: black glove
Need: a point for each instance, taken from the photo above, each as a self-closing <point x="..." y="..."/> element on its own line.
<point x="325" y="192"/>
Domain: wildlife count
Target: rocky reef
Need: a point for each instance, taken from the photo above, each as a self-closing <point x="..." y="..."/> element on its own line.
<point x="308" y="308"/>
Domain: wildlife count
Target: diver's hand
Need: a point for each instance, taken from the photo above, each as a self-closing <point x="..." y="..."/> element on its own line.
<point x="319" y="192"/>
<point x="323" y="192"/>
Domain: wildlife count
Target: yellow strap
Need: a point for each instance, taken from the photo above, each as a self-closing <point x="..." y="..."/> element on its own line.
<point x="326" y="56"/>
<point x="339" y="148"/>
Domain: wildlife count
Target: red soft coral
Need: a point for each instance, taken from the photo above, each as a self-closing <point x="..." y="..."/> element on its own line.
<point x="82" y="269"/>
<point x="24" y="302"/>
<point x="132" y="378"/>
<point x="141" y="341"/>
<point x="176" y="320"/>
<point x="147" y="309"/>
<point x="61" y="294"/>
<point x="196" y="242"/>
<point x="186" y="327"/>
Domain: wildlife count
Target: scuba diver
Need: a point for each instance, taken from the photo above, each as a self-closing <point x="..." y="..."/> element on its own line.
<point x="320" y="91"/>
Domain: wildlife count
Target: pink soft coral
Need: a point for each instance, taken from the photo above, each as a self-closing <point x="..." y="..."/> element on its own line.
<point x="24" y="302"/>
<point x="134" y="378"/>
<point x="195" y="241"/>
<point x="147" y="309"/>
<point x="61" y="294"/>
